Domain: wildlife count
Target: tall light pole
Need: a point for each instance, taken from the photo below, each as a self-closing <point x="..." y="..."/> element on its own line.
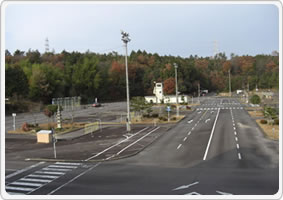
<point x="176" y="80"/>
<point x="126" y="39"/>
<point x="198" y="92"/>
<point x="230" y="83"/>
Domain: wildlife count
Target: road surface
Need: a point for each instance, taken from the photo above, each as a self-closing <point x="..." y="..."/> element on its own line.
<point x="216" y="150"/>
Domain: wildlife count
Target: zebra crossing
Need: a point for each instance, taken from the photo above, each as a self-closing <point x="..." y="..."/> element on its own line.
<point x="216" y="108"/>
<point x="215" y="104"/>
<point x="39" y="178"/>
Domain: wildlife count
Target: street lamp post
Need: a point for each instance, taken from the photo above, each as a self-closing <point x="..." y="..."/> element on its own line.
<point x="177" y="100"/>
<point x="126" y="39"/>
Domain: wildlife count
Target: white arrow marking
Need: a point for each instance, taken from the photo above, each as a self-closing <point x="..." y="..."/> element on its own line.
<point x="190" y="121"/>
<point x="207" y="120"/>
<point x="223" y="193"/>
<point x="193" y="193"/>
<point x="186" y="186"/>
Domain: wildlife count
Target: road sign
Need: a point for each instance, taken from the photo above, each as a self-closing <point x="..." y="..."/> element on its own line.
<point x="168" y="109"/>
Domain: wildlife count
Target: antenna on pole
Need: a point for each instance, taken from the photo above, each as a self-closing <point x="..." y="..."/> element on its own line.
<point x="215" y="48"/>
<point x="46" y="45"/>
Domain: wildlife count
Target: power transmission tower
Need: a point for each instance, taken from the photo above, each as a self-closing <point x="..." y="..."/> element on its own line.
<point x="46" y="45"/>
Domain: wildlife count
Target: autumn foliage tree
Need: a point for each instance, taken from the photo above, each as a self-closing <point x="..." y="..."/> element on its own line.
<point x="169" y="86"/>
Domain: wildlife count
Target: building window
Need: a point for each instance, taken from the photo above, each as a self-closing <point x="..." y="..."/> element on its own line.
<point x="159" y="92"/>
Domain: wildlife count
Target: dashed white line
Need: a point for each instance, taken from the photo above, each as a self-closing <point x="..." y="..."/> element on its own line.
<point x="179" y="146"/>
<point x="235" y="132"/>
<point x="236" y="139"/>
<point x="238" y="147"/>
<point x="189" y="133"/>
<point x="239" y="156"/>
<point x="234" y="128"/>
<point x="185" y="139"/>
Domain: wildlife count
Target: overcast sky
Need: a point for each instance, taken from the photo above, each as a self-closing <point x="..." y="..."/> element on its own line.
<point x="178" y="29"/>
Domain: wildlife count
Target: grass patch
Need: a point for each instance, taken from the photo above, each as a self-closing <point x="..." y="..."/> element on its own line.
<point x="268" y="130"/>
<point x="65" y="128"/>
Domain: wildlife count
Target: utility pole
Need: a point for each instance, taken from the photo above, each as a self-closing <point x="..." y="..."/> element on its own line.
<point x="126" y="39"/>
<point x="230" y="83"/>
<point x="177" y="100"/>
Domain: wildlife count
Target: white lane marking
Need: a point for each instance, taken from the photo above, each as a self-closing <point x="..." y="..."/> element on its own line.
<point x="190" y="121"/>
<point x="206" y="151"/>
<point x="234" y="128"/>
<point x="223" y="193"/>
<point x="189" y="133"/>
<point x="137" y="140"/>
<point x="238" y="146"/>
<point x="239" y="156"/>
<point x="193" y="128"/>
<point x="55" y="169"/>
<point x="186" y="186"/>
<point x="184" y="139"/>
<point x="42" y="176"/>
<point x="114" y="145"/>
<point x="199" y="112"/>
<point x="26" y="184"/>
<point x="46" y="172"/>
<point x="74" y="179"/>
<point x="207" y="120"/>
<point x="233" y="124"/>
<point x="19" y="188"/>
<point x="236" y="139"/>
<point x="179" y="146"/>
<point x="63" y="163"/>
<point x="193" y="193"/>
<point x="36" y="180"/>
<point x="23" y="170"/>
<point x="235" y="132"/>
<point x="62" y="166"/>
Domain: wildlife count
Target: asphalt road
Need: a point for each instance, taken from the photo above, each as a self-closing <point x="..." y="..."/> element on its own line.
<point x="217" y="149"/>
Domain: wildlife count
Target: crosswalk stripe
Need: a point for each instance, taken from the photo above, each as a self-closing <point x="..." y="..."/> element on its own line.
<point x="55" y="169"/>
<point x="62" y="166"/>
<point x="35" y="180"/>
<point x="46" y="172"/>
<point x="26" y="184"/>
<point x="19" y="188"/>
<point x="15" y="193"/>
<point x="63" y="163"/>
<point x="42" y="176"/>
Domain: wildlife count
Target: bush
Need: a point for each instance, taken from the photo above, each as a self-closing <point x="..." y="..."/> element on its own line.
<point x="155" y="115"/>
<point x="25" y="126"/>
<point x="255" y="99"/>
<point x="174" y="118"/>
<point x="276" y="121"/>
<point x="263" y="121"/>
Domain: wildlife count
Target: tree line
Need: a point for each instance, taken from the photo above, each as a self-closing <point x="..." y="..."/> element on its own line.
<point x="40" y="77"/>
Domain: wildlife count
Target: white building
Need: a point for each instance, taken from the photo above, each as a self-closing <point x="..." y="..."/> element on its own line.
<point x="161" y="98"/>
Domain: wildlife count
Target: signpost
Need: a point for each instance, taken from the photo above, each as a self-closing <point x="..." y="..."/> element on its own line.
<point x="14" y="120"/>
<point x="168" y="109"/>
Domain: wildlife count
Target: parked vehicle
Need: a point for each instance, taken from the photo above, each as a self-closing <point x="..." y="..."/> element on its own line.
<point x="96" y="104"/>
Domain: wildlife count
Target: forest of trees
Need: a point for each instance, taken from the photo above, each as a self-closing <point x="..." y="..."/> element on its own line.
<point x="41" y="77"/>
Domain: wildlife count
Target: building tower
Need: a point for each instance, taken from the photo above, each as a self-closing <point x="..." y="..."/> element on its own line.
<point x="158" y="91"/>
